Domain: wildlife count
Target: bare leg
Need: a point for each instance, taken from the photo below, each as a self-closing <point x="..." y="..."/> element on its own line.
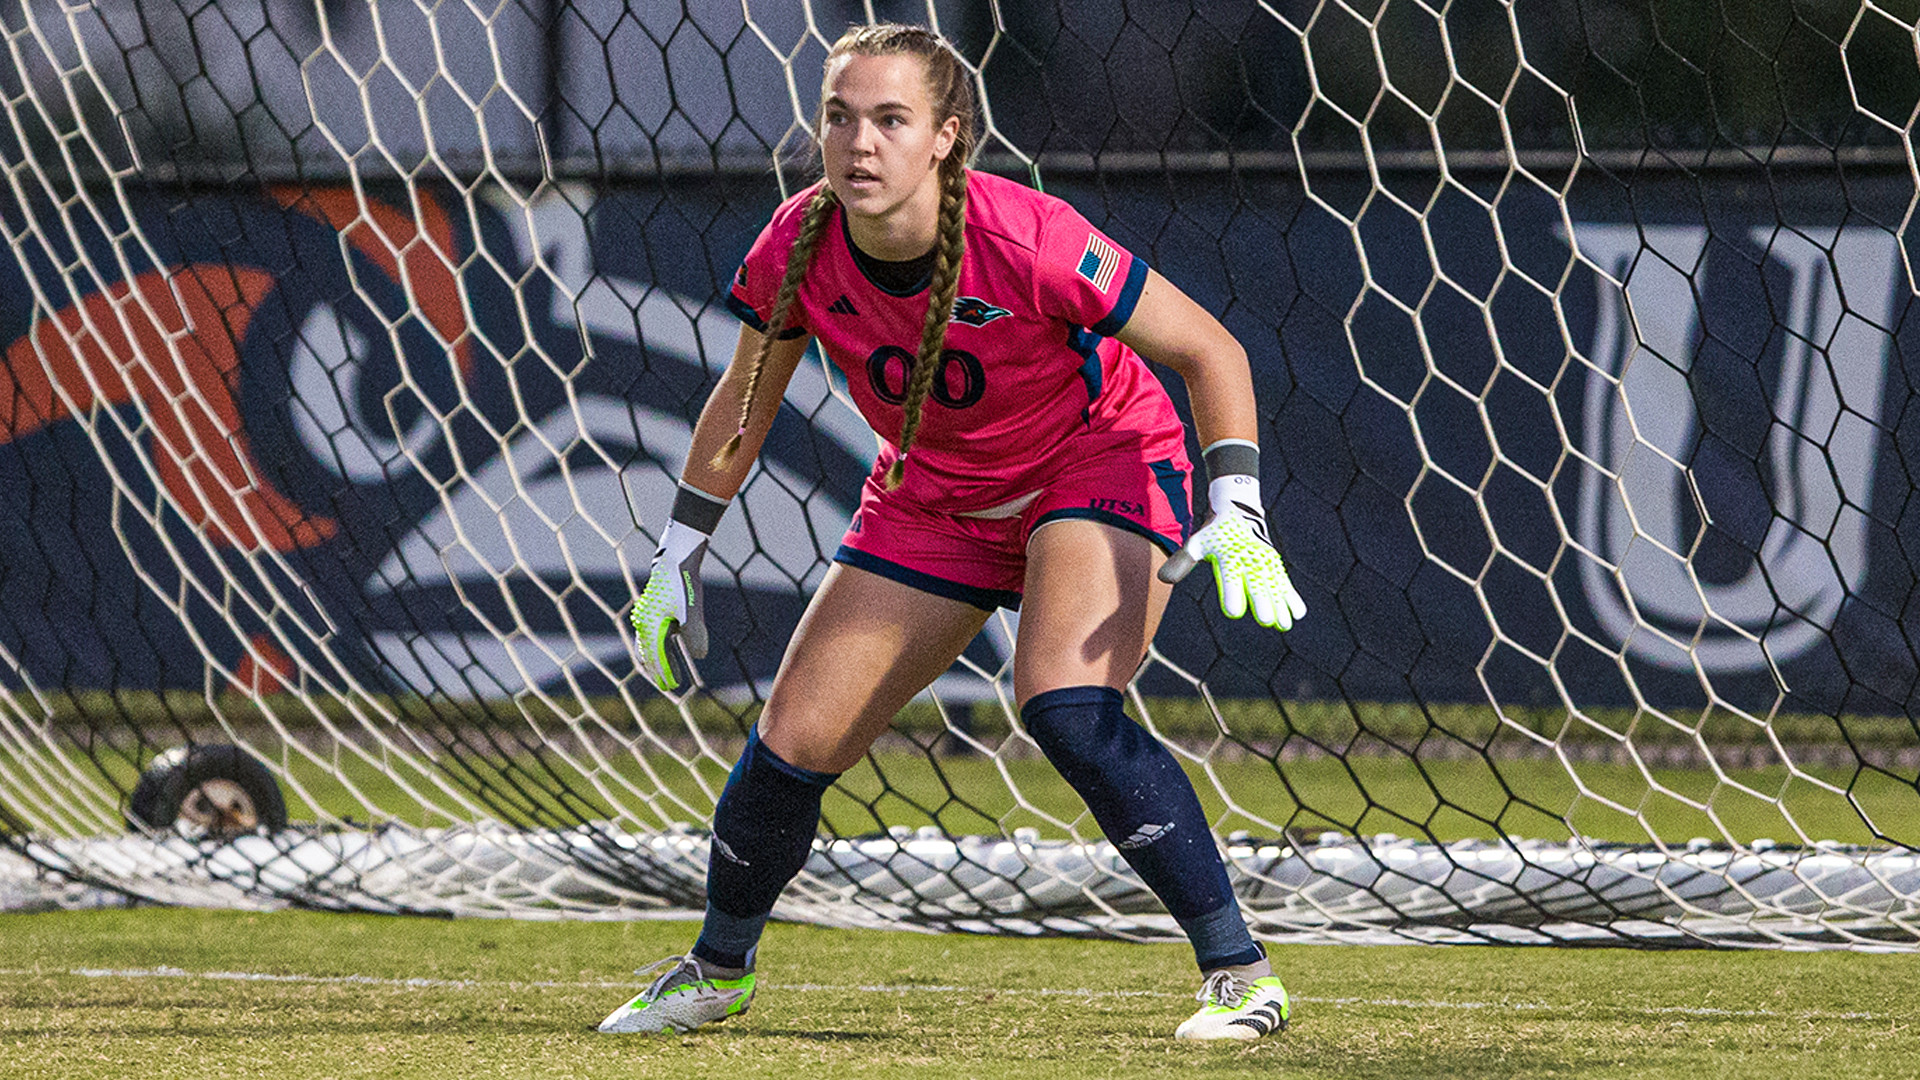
<point x="865" y="647"/>
<point x="1091" y="607"/>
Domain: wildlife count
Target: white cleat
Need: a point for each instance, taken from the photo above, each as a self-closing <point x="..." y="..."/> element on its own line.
<point x="1234" y="1008"/>
<point x="682" y="999"/>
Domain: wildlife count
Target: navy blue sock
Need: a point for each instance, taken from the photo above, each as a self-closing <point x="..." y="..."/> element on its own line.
<point x="763" y="830"/>
<point x="1146" y="805"/>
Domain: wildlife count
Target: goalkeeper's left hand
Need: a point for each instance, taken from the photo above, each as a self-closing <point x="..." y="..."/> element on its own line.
<point x="1246" y="568"/>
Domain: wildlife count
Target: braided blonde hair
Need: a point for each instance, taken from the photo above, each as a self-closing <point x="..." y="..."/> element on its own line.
<point x="950" y="89"/>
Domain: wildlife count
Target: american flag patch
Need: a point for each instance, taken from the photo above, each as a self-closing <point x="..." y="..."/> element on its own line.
<point x="1099" y="262"/>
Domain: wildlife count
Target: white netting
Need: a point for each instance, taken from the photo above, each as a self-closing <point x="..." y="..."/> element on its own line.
<point x="352" y="352"/>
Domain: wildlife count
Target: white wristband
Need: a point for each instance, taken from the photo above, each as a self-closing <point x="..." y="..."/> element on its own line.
<point x="679" y="540"/>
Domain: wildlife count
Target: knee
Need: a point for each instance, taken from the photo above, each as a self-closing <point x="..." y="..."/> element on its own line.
<point x="812" y="742"/>
<point x="761" y="758"/>
<point x="768" y="794"/>
<point x="1084" y="730"/>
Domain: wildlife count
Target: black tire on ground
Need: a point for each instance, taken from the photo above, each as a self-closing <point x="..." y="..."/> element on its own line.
<point x="218" y="791"/>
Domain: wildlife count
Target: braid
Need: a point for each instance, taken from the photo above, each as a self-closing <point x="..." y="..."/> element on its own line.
<point x="799" y="257"/>
<point x="940" y="295"/>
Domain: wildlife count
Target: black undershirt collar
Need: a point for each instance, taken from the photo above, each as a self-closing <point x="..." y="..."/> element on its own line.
<point x="903" y="278"/>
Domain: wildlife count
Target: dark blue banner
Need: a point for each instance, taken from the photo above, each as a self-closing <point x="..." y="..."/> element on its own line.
<point x="1647" y="447"/>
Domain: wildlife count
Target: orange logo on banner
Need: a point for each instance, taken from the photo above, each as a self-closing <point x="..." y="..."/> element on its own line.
<point x="168" y="340"/>
<point x="425" y="250"/>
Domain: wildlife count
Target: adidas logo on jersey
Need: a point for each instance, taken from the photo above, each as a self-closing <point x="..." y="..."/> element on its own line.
<point x="842" y="306"/>
<point x="1144" y="835"/>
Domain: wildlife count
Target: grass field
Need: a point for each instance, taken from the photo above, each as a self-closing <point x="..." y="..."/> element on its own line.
<point x="158" y="993"/>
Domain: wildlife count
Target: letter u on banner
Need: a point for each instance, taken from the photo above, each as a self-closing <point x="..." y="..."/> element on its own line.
<point x="1642" y="425"/>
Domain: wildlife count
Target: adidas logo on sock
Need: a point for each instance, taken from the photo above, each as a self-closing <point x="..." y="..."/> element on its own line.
<point x="842" y="306"/>
<point x="1144" y="835"/>
<point x="727" y="853"/>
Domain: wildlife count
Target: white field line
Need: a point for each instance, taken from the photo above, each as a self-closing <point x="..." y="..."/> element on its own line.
<point x="912" y="988"/>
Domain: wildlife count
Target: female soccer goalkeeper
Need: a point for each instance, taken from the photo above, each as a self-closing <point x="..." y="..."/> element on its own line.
<point x="992" y="337"/>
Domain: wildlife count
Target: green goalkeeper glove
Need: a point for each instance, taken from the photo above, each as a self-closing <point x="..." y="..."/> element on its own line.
<point x="1247" y="570"/>
<point x="671" y="613"/>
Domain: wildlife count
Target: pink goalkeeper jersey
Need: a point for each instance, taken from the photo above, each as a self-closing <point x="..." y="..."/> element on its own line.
<point x="1030" y="358"/>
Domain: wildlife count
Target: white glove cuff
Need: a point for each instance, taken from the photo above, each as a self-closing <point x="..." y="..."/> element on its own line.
<point x="1224" y="491"/>
<point x="680" y="540"/>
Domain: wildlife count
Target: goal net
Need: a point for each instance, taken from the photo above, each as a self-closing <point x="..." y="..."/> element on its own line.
<point x="352" y="349"/>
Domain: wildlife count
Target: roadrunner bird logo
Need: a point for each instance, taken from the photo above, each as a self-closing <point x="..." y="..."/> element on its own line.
<point x="976" y="312"/>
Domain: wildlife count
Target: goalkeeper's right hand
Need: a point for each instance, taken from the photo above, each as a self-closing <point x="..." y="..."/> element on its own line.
<point x="672" y="607"/>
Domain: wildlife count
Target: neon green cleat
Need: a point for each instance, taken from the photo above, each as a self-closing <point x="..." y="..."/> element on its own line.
<point x="1237" y="1009"/>
<point x="682" y="999"/>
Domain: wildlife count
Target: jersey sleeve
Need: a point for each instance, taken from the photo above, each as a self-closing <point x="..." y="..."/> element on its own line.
<point x="1082" y="276"/>
<point x="757" y="280"/>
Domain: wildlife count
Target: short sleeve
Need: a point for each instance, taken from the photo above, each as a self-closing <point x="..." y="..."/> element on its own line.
<point x="1082" y="276"/>
<point x="757" y="280"/>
